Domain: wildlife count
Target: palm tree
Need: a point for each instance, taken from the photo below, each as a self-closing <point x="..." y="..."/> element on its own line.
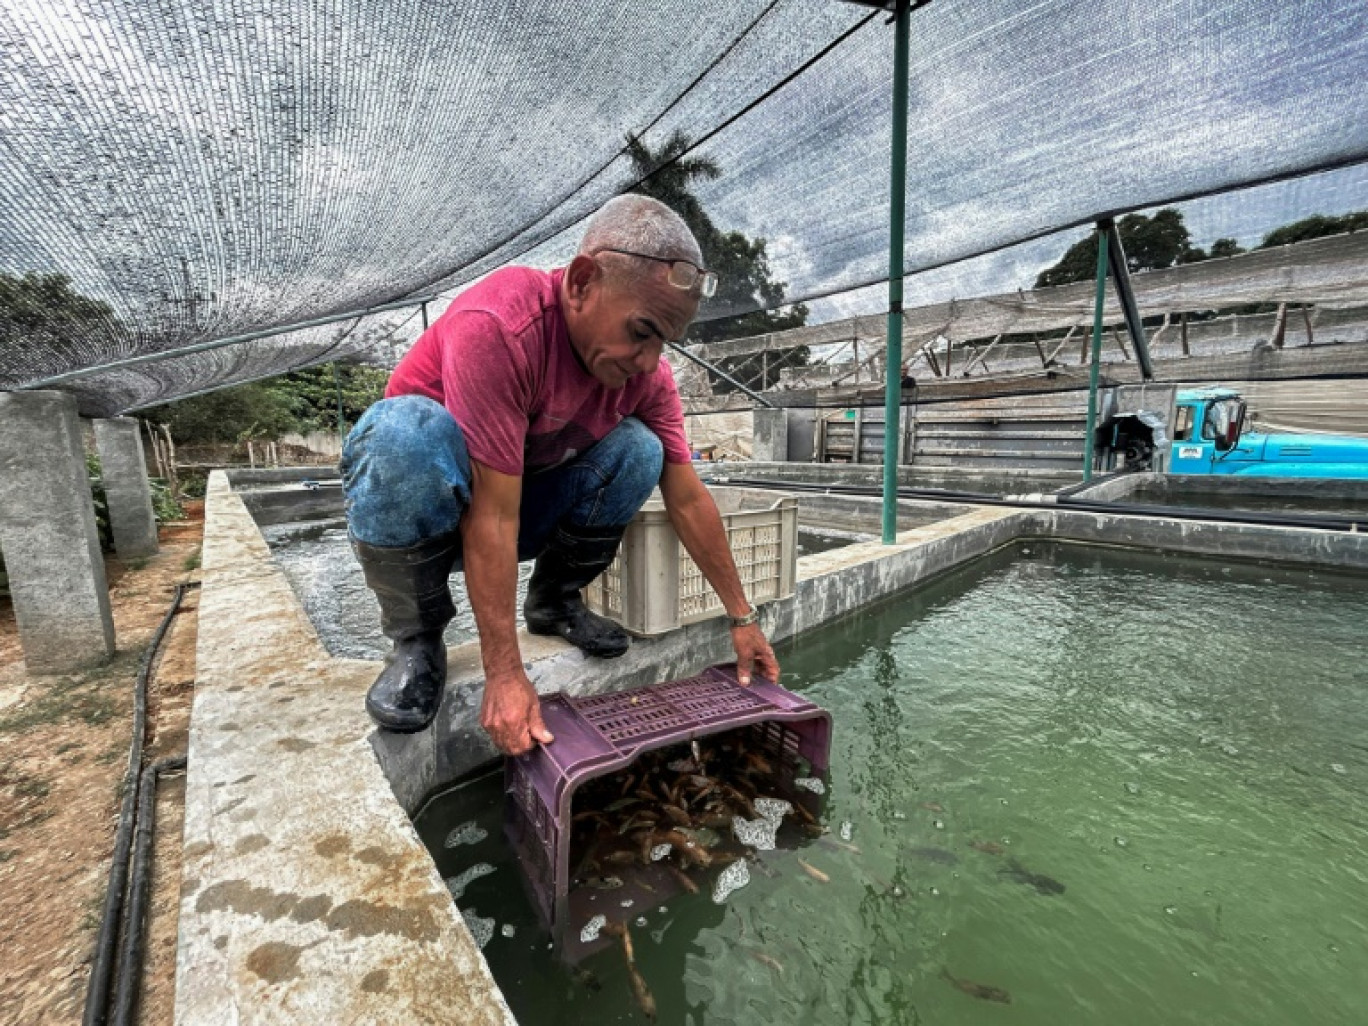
<point x="665" y="174"/>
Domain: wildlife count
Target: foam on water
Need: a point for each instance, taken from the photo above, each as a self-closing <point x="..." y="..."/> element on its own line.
<point x="467" y="833"/>
<point x="480" y="928"/>
<point x="592" y="929"/>
<point x="772" y="809"/>
<point x="457" y="884"/>
<point x="731" y="879"/>
<point x="760" y="834"/>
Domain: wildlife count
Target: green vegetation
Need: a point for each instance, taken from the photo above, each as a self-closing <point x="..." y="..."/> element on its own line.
<point x="1314" y="227"/>
<point x="81" y="697"/>
<point x="300" y="401"/>
<point x="192" y="561"/>
<point x="44" y="311"/>
<point x="165" y="505"/>
<point x="741" y="263"/>
<point x="97" y="495"/>
<point x="1163" y="240"/>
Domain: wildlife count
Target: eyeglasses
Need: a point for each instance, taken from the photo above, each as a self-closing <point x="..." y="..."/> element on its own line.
<point x="682" y="273"/>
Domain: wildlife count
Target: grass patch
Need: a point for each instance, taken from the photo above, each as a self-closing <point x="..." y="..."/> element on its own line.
<point x="31" y="787"/>
<point x="7" y="853"/>
<point x="66" y="746"/>
<point x="192" y="561"/>
<point x="136" y="564"/>
<point x="66" y="697"/>
<point x="85" y="697"/>
<point x="94" y="912"/>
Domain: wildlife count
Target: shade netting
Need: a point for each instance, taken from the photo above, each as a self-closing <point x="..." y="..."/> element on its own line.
<point x="211" y="170"/>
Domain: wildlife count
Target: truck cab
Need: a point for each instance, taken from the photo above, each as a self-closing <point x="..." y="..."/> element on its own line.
<point x="1209" y="437"/>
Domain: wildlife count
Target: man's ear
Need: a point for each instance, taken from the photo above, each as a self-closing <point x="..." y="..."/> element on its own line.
<point x="582" y="277"/>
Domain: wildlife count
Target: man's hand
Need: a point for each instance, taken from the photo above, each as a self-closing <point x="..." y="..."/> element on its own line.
<point x="753" y="655"/>
<point x="511" y="714"/>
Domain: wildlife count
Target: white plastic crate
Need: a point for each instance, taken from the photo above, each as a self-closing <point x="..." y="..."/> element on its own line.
<point x="654" y="586"/>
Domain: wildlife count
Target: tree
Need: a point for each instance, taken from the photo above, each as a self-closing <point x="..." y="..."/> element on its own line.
<point x="312" y="394"/>
<point x="745" y="280"/>
<point x="253" y="410"/>
<point x="1314" y="227"/>
<point x="303" y="401"/>
<point x="1162" y="240"/>
<point x="1226" y="248"/>
<point x="43" y="311"/>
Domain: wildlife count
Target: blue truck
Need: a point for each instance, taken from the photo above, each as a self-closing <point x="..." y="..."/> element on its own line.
<point x="1208" y="437"/>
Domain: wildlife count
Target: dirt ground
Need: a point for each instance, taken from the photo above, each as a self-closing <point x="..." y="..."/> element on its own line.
<point x="64" y="744"/>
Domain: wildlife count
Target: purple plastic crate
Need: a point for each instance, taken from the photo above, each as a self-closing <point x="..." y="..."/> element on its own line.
<point x="601" y="734"/>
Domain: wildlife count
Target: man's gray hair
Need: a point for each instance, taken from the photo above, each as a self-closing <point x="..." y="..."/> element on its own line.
<point x="642" y="225"/>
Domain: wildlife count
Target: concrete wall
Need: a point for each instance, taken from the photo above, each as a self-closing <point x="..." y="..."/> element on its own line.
<point x="771" y="435"/>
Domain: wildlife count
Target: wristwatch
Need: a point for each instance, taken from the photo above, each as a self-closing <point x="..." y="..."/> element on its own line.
<point x="745" y="621"/>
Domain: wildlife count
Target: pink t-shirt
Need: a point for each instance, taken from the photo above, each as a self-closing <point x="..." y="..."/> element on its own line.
<point x="500" y="360"/>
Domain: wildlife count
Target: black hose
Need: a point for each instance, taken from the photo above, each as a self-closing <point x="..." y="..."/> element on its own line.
<point x="1319" y="522"/>
<point x="131" y="945"/>
<point x="101" y="969"/>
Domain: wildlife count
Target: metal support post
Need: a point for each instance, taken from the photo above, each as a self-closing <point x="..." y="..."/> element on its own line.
<point x="1126" y="296"/>
<point x="896" y="229"/>
<point x="682" y="351"/>
<point x="1096" y="350"/>
<point x="337" y="388"/>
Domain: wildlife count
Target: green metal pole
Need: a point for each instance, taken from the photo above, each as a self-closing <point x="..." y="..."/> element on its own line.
<point x="1096" y="350"/>
<point x="337" y="387"/>
<point x="896" y="227"/>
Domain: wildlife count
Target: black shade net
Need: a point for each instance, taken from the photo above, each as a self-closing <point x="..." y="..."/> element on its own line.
<point x="199" y="172"/>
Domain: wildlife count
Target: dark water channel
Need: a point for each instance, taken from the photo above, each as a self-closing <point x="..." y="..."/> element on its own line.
<point x="1115" y="788"/>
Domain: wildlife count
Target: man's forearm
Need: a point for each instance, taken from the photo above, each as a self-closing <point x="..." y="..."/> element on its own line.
<point x="491" y="569"/>
<point x="700" y="528"/>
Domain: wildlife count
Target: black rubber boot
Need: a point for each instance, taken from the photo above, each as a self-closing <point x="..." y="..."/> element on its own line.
<point x="574" y="557"/>
<point x="415" y="607"/>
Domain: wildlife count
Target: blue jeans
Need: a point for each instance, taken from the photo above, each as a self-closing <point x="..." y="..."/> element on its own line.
<point x="406" y="476"/>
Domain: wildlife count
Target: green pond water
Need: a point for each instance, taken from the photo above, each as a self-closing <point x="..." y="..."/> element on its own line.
<point x="1181" y="745"/>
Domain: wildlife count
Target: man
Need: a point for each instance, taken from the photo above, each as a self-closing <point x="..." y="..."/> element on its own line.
<point x="533" y="419"/>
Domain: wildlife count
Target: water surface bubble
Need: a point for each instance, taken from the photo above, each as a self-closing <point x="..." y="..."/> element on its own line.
<point x="813" y="784"/>
<point x="1132" y="788"/>
<point x="1170" y="909"/>
<point x="1338" y="767"/>
<point x="457" y="884"/>
<point x="846" y="829"/>
<point x="758" y="833"/>
<point x="1121" y="841"/>
<point x="592" y="928"/>
<point x="772" y="809"/>
<point x="481" y="929"/>
<point x="466" y="833"/>
<point x="508" y="929"/>
<point x="734" y="877"/>
<point x="939" y="824"/>
<point x="660" y="851"/>
<point x="640" y="920"/>
<point x="900" y="815"/>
